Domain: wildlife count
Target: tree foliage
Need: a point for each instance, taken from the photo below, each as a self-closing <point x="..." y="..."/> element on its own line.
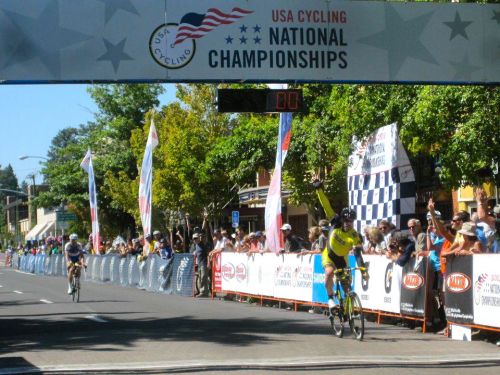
<point x="121" y="110"/>
<point x="8" y="180"/>
<point x="203" y="154"/>
<point x="457" y="125"/>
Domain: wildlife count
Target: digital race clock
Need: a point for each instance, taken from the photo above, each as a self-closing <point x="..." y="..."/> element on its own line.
<point x="259" y="100"/>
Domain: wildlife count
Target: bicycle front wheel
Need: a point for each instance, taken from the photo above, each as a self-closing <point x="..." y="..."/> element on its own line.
<point x="77" y="290"/>
<point x="356" y="316"/>
<point x="337" y="322"/>
<point x="73" y="288"/>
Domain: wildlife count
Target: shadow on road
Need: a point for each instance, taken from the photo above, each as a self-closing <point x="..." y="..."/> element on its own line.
<point x="80" y="333"/>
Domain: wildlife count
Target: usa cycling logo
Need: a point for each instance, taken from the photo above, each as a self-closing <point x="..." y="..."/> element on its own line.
<point x="173" y="45"/>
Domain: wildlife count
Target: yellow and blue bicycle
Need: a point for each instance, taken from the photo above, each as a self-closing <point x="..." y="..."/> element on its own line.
<point x="349" y="307"/>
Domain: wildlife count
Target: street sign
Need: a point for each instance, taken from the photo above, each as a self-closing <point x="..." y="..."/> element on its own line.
<point x="235" y="218"/>
<point x="66" y="216"/>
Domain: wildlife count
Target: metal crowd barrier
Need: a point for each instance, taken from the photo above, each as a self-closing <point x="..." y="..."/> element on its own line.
<point x="154" y="274"/>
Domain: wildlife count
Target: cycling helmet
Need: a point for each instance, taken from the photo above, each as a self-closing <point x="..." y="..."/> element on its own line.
<point x="347" y="214"/>
<point x="73" y="236"/>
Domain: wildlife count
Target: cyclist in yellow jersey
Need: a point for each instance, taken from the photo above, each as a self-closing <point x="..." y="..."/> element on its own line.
<point x="342" y="238"/>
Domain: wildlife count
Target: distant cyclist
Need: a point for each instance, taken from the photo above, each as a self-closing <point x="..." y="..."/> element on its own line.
<point x="342" y="238"/>
<point x="73" y="253"/>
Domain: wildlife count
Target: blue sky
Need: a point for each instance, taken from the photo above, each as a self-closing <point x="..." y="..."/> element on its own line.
<point x="31" y="115"/>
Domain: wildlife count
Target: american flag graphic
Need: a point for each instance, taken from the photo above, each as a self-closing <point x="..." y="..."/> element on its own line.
<point x="86" y="164"/>
<point x="195" y="25"/>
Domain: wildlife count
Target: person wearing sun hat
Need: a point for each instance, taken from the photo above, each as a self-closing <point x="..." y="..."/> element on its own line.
<point x="471" y="244"/>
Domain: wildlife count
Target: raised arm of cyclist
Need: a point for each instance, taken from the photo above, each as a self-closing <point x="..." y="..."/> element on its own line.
<point x="323" y="199"/>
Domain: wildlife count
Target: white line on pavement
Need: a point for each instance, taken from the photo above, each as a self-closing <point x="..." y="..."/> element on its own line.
<point x="96" y="318"/>
<point x="26" y="273"/>
<point x="18" y="292"/>
<point x="1" y="286"/>
<point x="46" y="301"/>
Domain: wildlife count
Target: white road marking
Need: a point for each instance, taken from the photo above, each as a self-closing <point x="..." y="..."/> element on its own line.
<point x="46" y="301"/>
<point x="96" y="318"/>
<point x="18" y="292"/>
<point x="1" y="286"/>
<point x="26" y="273"/>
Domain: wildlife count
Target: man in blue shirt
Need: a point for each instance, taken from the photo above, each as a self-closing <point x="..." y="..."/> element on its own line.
<point x="165" y="249"/>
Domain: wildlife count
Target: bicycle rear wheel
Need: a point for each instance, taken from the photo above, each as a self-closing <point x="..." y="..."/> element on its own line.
<point x="337" y="322"/>
<point x="356" y="316"/>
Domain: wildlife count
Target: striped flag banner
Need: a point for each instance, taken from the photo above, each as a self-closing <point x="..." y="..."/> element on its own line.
<point x="380" y="180"/>
<point x="272" y="216"/>
<point x="146" y="178"/>
<point x="196" y="25"/>
<point x="86" y="164"/>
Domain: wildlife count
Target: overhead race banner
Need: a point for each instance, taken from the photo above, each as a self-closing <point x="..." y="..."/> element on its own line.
<point x="381" y="182"/>
<point x="248" y="40"/>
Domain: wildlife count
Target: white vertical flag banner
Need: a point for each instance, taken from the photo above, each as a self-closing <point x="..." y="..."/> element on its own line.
<point x="86" y="164"/>
<point x="145" y="191"/>
<point x="381" y="183"/>
<point x="272" y="215"/>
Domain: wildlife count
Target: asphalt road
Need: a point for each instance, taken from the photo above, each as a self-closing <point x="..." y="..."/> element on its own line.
<point x="115" y="329"/>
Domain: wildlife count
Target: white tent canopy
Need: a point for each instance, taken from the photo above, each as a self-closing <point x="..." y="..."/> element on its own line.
<point x="40" y="231"/>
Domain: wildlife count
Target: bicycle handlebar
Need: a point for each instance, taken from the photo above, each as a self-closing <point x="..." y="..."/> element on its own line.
<point x="348" y="269"/>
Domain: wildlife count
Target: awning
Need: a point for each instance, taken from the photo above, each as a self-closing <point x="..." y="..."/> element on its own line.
<point x="39" y="231"/>
<point x="46" y="230"/>
<point x="32" y="234"/>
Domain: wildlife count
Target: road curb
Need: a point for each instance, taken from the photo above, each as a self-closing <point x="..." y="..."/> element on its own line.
<point x="319" y="363"/>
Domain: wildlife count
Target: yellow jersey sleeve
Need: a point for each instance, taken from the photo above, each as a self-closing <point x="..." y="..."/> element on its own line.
<point x="325" y="203"/>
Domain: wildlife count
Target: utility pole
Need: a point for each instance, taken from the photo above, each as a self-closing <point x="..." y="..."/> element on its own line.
<point x="17" y="194"/>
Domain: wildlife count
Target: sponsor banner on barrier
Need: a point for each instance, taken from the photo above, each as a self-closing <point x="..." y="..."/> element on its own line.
<point x="486" y="289"/>
<point x="294" y="277"/>
<point x="319" y="292"/>
<point x="254" y="264"/>
<point x="266" y="273"/>
<point x="413" y="287"/>
<point x="234" y="272"/>
<point x="216" y="273"/>
<point x="280" y="276"/>
<point x="183" y="275"/>
<point x="302" y="277"/>
<point x="382" y="291"/>
<point x="458" y="289"/>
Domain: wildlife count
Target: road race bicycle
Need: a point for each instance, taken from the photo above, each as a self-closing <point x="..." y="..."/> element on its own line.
<point x="75" y="282"/>
<point x="349" y="308"/>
